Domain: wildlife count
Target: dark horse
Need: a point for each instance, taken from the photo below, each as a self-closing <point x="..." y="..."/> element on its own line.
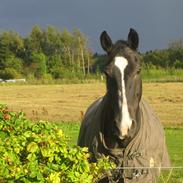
<point x="121" y="124"/>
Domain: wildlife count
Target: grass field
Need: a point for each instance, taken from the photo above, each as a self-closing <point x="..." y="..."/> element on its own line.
<point x="174" y="142"/>
<point x="162" y="75"/>
<point x="69" y="102"/>
<point x="63" y="103"/>
<point x="175" y="148"/>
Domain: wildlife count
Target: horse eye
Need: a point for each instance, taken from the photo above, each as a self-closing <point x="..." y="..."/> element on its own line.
<point x="138" y="70"/>
<point x="136" y="60"/>
<point x="107" y="71"/>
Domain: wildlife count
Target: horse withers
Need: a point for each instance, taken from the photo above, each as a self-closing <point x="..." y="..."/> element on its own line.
<point x="121" y="124"/>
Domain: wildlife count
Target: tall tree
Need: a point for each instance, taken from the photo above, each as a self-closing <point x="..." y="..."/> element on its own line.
<point x="81" y="42"/>
<point x="67" y="41"/>
<point x="38" y="65"/>
<point x="33" y="41"/>
<point x="176" y="44"/>
<point x="3" y="53"/>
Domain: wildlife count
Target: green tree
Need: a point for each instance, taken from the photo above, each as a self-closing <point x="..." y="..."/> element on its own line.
<point x="14" y="62"/>
<point x="51" y="42"/>
<point x="67" y="52"/>
<point x="34" y="39"/>
<point x="14" y="42"/>
<point x="38" y="65"/>
<point x="9" y="73"/>
<point x="50" y="51"/>
<point x="3" y="53"/>
<point x="10" y="64"/>
<point x="176" y="44"/>
<point x="81" y="51"/>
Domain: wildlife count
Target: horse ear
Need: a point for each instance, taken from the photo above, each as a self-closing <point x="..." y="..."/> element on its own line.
<point x="105" y="41"/>
<point x="133" y="39"/>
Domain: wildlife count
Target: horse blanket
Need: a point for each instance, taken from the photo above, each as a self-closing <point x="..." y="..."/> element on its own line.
<point x="147" y="148"/>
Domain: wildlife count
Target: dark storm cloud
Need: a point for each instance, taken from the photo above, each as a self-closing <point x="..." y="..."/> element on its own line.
<point x="157" y="21"/>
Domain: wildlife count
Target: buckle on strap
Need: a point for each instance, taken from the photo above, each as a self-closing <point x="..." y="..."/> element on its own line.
<point x="135" y="173"/>
<point x="133" y="155"/>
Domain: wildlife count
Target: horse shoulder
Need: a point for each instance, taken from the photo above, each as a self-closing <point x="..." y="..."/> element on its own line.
<point x="88" y="123"/>
<point x="154" y="131"/>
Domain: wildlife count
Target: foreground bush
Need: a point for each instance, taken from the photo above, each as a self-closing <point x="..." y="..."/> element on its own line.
<point x="38" y="152"/>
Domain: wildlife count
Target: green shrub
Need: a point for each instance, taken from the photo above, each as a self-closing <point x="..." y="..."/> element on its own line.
<point x="40" y="61"/>
<point x="14" y="63"/>
<point x="9" y="73"/>
<point x="38" y="152"/>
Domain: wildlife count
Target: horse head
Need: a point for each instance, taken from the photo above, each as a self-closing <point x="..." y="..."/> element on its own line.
<point x="124" y="84"/>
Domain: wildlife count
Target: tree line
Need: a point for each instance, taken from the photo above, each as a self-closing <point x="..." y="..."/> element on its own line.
<point x="52" y="53"/>
<point x="172" y="57"/>
<point x="44" y="53"/>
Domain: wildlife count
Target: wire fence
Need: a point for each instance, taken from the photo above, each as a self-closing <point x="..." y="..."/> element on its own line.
<point x="160" y="168"/>
<point x="165" y="177"/>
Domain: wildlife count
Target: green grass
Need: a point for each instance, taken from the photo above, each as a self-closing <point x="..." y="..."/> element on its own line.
<point x="71" y="130"/>
<point x="162" y="75"/>
<point x="148" y="75"/>
<point x="174" y="139"/>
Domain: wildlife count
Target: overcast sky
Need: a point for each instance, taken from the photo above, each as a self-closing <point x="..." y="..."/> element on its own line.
<point x="156" y="21"/>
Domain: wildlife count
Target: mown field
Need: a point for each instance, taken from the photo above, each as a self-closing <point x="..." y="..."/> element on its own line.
<point x="69" y="102"/>
<point x="65" y="105"/>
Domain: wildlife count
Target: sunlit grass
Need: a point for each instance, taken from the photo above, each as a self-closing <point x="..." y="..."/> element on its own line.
<point x="162" y="75"/>
<point x="71" y="130"/>
<point x="174" y="140"/>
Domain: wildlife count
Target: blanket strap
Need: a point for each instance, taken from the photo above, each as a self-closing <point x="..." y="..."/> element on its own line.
<point x="134" y="173"/>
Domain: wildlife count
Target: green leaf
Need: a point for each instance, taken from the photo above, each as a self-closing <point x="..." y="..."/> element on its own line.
<point x="55" y="177"/>
<point x="38" y="152"/>
<point x="27" y="134"/>
<point x="31" y="157"/>
<point x="32" y="147"/>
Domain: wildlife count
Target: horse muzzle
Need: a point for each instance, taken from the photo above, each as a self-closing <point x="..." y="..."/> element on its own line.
<point x="126" y="131"/>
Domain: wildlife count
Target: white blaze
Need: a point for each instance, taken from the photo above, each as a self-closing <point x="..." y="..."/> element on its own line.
<point x="126" y="121"/>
